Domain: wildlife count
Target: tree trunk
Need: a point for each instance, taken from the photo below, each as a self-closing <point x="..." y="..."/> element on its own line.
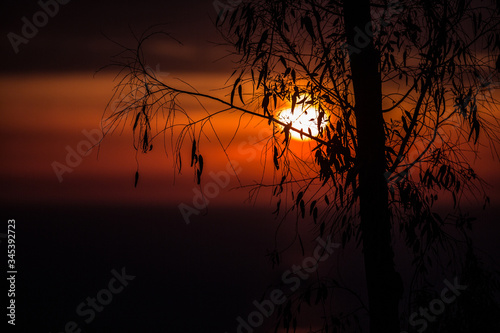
<point x="384" y="284"/>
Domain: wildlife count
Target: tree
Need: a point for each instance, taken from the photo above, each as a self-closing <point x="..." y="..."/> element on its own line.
<point x="397" y="90"/>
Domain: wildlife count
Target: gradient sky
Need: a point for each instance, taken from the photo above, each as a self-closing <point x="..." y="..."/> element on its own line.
<point x="51" y="93"/>
<point x="72" y="233"/>
<point x="95" y="218"/>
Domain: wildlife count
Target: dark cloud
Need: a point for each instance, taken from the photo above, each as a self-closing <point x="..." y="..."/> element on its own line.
<point x="74" y="39"/>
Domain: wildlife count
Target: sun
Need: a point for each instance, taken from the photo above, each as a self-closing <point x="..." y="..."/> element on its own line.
<point x="305" y="119"/>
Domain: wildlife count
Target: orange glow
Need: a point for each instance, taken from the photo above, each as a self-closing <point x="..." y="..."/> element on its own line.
<point x="44" y="116"/>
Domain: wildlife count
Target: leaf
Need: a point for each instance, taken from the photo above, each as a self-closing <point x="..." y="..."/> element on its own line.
<point x="234" y="89"/>
<point x="265" y="104"/>
<point x="307" y="22"/>
<point x="313" y="204"/>
<point x="286" y="26"/>
<point x="262" y="73"/>
<point x="475" y="127"/>
<point x="260" y="56"/>
<point x="263" y="39"/>
<point x="180" y="161"/>
<point x="286" y="130"/>
<point x="283" y="61"/>
<point x="145" y="143"/>
<point x="275" y="158"/>
<point x="137" y="120"/>
<point x="193" y="152"/>
<point x="240" y="92"/>
<point x="393" y="60"/>
<point x="441" y="173"/>
<point x="486" y="202"/>
<point x="299" y="197"/>
<point x="277" y="211"/>
<point x="200" y="160"/>
<point x="136" y="178"/>
<point x="294" y="100"/>
<point x="327" y="200"/>
<point x="405" y="125"/>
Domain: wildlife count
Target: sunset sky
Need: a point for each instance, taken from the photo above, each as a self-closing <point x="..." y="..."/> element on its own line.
<point x="72" y="231"/>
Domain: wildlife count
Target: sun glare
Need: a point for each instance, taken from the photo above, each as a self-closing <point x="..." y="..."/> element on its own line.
<point x="302" y="119"/>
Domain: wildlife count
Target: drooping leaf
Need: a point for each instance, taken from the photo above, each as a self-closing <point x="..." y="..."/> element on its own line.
<point x="277" y="211"/>
<point x="302" y="208"/>
<point x="234" y="89"/>
<point x="262" y="74"/>
<point x="200" y="161"/>
<point x="275" y="158"/>
<point x="145" y="142"/>
<point x="240" y="92"/>
<point x="294" y="102"/>
<point x="405" y="124"/>
<point x="259" y="56"/>
<point x="287" y="28"/>
<point x="283" y="61"/>
<point x="313" y="204"/>
<point x="136" y="120"/>
<point x="262" y="40"/>
<point x="265" y="104"/>
<point x="180" y="161"/>
<point x="193" y="152"/>
<point x="299" y="197"/>
<point x="286" y="130"/>
<point x="307" y="22"/>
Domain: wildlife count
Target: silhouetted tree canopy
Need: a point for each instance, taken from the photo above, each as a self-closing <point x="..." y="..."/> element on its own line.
<point x="404" y="90"/>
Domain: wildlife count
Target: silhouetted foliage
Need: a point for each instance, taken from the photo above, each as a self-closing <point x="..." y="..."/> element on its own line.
<point x="435" y="61"/>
